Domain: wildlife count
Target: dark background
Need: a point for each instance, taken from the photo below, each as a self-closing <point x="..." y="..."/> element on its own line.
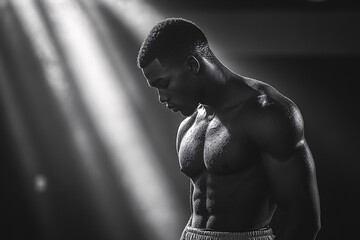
<point x="308" y="50"/>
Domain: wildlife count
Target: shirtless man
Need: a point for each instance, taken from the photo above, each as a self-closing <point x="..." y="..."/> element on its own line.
<point x="242" y="144"/>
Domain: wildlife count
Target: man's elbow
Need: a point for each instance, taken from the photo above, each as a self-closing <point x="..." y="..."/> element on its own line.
<point x="315" y="221"/>
<point x="303" y="225"/>
<point x="312" y="227"/>
<point x="317" y="226"/>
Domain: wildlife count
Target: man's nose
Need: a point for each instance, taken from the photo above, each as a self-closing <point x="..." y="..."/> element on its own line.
<point x="163" y="97"/>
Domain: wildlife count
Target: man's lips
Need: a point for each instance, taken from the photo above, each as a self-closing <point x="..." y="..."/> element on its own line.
<point x="171" y="106"/>
<point x="174" y="108"/>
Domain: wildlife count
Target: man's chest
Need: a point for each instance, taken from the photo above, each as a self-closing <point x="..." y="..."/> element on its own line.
<point x="211" y="144"/>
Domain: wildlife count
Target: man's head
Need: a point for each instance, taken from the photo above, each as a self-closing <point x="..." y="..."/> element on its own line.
<point x="169" y="58"/>
<point x="171" y="41"/>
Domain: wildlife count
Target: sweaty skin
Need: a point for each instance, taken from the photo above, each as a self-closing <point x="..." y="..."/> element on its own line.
<point x="242" y="147"/>
<point x="216" y="151"/>
<point x="231" y="157"/>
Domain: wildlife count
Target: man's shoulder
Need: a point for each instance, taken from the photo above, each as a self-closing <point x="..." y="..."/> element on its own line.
<point x="274" y="120"/>
<point x="271" y="104"/>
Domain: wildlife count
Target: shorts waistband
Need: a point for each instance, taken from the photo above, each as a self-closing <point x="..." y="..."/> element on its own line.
<point x="199" y="234"/>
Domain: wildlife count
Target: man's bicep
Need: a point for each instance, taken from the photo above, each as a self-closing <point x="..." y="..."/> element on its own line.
<point x="287" y="158"/>
<point x="293" y="179"/>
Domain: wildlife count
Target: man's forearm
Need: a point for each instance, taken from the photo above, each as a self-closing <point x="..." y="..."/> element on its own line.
<point x="297" y="233"/>
<point x="296" y="229"/>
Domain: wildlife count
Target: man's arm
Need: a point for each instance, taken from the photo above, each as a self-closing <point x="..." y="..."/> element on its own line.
<point x="294" y="186"/>
<point x="291" y="170"/>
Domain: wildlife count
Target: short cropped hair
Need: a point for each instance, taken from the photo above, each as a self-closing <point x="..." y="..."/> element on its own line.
<point x="172" y="40"/>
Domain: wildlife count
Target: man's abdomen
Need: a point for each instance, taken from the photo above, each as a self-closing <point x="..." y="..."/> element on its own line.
<point x="231" y="203"/>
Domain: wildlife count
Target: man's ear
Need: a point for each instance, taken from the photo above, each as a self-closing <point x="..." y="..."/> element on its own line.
<point x="192" y="64"/>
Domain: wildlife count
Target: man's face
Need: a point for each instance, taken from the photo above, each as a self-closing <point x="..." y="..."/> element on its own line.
<point x="176" y="86"/>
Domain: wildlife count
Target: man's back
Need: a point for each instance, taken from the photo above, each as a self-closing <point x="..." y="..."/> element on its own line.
<point x="220" y="153"/>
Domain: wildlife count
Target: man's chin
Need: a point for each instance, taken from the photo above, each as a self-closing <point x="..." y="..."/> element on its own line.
<point x="186" y="112"/>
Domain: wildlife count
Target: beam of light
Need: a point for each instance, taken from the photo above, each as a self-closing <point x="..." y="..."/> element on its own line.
<point x="30" y="18"/>
<point x="139" y="15"/>
<point x="120" y="130"/>
<point x="21" y="137"/>
<point x="46" y="52"/>
<point x="17" y="124"/>
<point x="22" y="140"/>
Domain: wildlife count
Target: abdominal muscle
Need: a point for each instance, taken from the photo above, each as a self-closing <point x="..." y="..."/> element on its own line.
<point x="231" y="203"/>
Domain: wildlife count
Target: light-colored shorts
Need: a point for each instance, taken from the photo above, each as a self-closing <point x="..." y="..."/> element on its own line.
<point x="198" y="234"/>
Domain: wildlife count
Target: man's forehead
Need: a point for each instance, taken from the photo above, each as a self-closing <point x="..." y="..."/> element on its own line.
<point x="153" y="70"/>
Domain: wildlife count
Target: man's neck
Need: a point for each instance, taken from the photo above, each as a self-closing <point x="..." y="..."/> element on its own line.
<point x="223" y="88"/>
